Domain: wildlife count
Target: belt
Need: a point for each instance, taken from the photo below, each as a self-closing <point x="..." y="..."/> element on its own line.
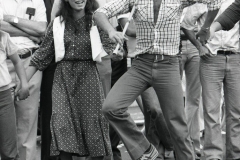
<point x="28" y="54"/>
<point x="155" y="57"/>
<point x="225" y="52"/>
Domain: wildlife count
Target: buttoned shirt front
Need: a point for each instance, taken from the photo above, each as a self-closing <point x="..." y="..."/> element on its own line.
<point x="18" y="8"/>
<point x="7" y="48"/>
<point x="223" y="40"/>
<point x="162" y="37"/>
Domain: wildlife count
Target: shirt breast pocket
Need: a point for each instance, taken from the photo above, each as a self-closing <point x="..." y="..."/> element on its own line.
<point x="141" y="13"/>
<point x="172" y="11"/>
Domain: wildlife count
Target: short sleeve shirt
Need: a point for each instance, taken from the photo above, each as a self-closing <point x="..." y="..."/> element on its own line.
<point x="194" y="14"/>
<point x="7" y="48"/>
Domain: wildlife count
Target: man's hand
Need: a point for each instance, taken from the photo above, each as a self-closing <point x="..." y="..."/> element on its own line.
<point x="203" y="35"/>
<point x="204" y="52"/>
<point x="117" y="37"/>
<point x="22" y="93"/>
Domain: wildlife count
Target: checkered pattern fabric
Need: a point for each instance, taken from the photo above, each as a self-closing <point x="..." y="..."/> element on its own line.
<point x="162" y="37"/>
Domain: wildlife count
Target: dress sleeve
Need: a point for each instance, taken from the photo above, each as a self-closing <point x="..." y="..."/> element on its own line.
<point x="108" y="45"/>
<point x="230" y="16"/>
<point x="44" y="55"/>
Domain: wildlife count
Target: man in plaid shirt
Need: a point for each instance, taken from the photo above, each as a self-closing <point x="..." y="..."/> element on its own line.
<point x="156" y="64"/>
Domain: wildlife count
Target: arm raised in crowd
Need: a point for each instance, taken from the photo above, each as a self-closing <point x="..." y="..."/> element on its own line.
<point x="111" y="9"/>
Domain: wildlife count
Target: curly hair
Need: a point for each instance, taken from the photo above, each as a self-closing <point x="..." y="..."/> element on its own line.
<point x="66" y="12"/>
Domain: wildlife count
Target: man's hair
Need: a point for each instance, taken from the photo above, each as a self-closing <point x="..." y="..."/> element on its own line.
<point x="66" y="12"/>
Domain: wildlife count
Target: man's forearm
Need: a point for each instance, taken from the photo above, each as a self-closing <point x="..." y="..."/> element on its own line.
<point x="12" y="30"/>
<point x="230" y="16"/>
<point x="190" y="34"/>
<point x="209" y="19"/>
<point x="32" y="28"/>
<point x="103" y="22"/>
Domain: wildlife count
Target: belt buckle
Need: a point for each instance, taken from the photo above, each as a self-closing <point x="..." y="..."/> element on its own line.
<point x="159" y="57"/>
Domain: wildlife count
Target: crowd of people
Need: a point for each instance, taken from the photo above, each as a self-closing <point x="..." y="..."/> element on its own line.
<point x="58" y="56"/>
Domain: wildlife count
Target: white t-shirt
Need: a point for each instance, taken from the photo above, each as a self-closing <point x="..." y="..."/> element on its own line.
<point x="7" y="48"/>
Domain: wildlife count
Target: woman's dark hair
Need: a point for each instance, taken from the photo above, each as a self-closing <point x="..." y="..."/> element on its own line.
<point x="66" y="12"/>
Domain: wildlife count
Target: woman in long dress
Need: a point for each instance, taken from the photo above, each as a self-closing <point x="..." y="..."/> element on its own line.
<point x="77" y="125"/>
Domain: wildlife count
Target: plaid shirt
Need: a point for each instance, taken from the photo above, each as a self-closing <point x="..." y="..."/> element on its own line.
<point x="162" y="37"/>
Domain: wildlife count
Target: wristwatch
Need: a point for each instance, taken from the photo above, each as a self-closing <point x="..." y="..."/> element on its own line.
<point x="15" y="20"/>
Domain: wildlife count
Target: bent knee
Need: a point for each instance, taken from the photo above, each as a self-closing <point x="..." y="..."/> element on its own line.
<point x="107" y="108"/>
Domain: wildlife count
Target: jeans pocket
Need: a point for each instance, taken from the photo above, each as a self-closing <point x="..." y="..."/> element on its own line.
<point x="173" y="61"/>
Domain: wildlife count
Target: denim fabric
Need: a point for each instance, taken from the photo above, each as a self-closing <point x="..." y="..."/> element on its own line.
<point x="156" y="127"/>
<point x="215" y="71"/>
<point x="190" y="64"/>
<point x="8" y="128"/>
<point x="164" y="76"/>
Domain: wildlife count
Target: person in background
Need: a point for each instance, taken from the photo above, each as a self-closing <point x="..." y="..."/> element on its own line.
<point x="219" y="65"/>
<point x="77" y="124"/>
<point x="46" y="99"/>
<point x="26" y="23"/>
<point x="8" y="131"/>
<point x="190" y="61"/>
<point x="227" y="19"/>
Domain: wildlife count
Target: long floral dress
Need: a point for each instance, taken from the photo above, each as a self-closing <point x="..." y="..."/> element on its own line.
<point x="77" y="124"/>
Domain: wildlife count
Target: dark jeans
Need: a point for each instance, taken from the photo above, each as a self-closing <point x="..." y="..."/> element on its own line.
<point x="164" y="77"/>
<point x="8" y="128"/>
<point x="156" y="128"/>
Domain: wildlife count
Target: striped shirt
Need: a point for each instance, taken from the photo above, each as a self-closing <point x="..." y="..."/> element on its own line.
<point x="162" y="37"/>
